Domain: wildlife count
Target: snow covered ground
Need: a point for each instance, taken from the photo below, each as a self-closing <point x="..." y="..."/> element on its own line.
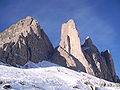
<point x="49" y="76"/>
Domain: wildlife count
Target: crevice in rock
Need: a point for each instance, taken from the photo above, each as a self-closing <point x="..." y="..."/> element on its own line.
<point x="68" y="41"/>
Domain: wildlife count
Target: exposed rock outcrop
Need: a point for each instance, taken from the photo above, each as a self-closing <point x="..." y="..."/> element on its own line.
<point x="92" y="56"/>
<point x="24" y="41"/>
<point x="65" y="59"/>
<point x="110" y="64"/>
<point x="101" y="63"/>
<point x="86" y="58"/>
<point x="95" y="59"/>
<point x="70" y="48"/>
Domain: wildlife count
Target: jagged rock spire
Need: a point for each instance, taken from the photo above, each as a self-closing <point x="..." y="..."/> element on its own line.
<point x="110" y="64"/>
<point x="70" y="44"/>
<point x="101" y="63"/>
<point x="109" y="61"/>
<point x="70" y="40"/>
<point x="87" y="58"/>
<point x="88" y="41"/>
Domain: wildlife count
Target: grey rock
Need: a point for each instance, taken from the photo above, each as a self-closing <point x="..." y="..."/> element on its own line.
<point x="110" y="64"/>
<point x="92" y="56"/>
<point x="101" y="63"/>
<point x="70" y="48"/>
<point x="24" y="41"/>
<point x="70" y="53"/>
<point x="65" y="59"/>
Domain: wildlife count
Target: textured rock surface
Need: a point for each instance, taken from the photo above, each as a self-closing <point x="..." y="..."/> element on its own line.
<point x="63" y="58"/>
<point x="70" y="40"/>
<point x="24" y="41"/>
<point x="87" y="57"/>
<point x="94" y="58"/>
<point x="109" y="61"/>
<point x="71" y="47"/>
<point x="110" y="64"/>
<point x="101" y="63"/>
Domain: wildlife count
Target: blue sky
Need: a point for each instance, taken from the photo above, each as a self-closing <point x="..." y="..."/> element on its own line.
<point x="99" y="19"/>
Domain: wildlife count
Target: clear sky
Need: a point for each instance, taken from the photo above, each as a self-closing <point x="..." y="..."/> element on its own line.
<point x="99" y="19"/>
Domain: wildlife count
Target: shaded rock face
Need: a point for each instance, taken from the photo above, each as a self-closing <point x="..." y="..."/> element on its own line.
<point x="110" y="64"/>
<point x="24" y="41"/>
<point x="95" y="59"/>
<point x="101" y="63"/>
<point x="109" y="61"/>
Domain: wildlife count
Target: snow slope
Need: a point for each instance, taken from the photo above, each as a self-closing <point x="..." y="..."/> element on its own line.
<point x="49" y="76"/>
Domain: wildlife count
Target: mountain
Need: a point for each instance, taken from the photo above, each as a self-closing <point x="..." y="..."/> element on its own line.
<point x="49" y="76"/>
<point x="101" y="63"/>
<point x="70" y="53"/>
<point x="26" y="42"/>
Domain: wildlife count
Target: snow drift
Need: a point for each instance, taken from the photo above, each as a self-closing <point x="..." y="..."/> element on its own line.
<point x="49" y="76"/>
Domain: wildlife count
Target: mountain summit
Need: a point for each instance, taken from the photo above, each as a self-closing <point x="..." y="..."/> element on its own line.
<point x="25" y="41"/>
<point x="84" y="57"/>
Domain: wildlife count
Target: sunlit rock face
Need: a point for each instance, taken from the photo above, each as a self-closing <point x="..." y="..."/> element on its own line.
<point x="70" y="44"/>
<point x="24" y="41"/>
<point x="70" y="53"/>
<point x="70" y="40"/>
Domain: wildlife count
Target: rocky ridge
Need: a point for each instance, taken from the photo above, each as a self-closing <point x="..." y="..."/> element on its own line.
<point x="101" y="63"/>
<point x="26" y="41"/>
<point x="84" y="57"/>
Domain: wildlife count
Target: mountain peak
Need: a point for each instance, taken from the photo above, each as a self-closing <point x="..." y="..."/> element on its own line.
<point x="87" y="38"/>
<point x="28" y="21"/>
<point x="29" y="17"/>
<point x="25" y="41"/>
<point x="70" y="40"/>
<point x="88" y="41"/>
<point x="70" y="44"/>
<point x="71" y="21"/>
<point x="108" y="51"/>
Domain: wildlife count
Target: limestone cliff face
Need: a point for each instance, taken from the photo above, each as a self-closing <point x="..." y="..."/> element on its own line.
<point x="110" y="64"/>
<point x="70" y="40"/>
<point x="92" y="55"/>
<point x="109" y="61"/>
<point x="101" y="63"/>
<point x="70" y="53"/>
<point x="65" y="59"/>
<point x="24" y="41"/>
<point x="71" y="48"/>
<point x="95" y="59"/>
